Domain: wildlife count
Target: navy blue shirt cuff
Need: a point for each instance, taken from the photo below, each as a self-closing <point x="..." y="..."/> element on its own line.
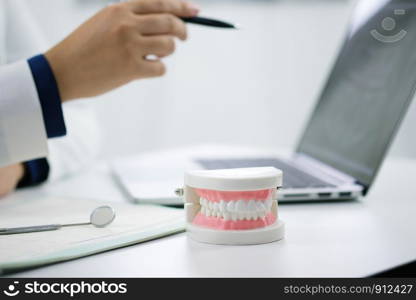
<point x="49" y="97"/>
<point x="36" y="172"/>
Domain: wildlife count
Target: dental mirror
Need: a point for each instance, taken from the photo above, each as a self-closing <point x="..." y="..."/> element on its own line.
<point x="100" y="217"/>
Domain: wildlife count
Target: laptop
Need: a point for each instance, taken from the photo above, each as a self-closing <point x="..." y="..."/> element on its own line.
<point x="350" y="130"/>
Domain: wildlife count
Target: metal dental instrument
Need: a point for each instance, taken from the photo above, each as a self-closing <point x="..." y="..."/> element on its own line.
<point x="100" y="217"/>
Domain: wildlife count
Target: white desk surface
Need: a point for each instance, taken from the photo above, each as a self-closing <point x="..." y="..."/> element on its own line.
<point x="334" y="239"/>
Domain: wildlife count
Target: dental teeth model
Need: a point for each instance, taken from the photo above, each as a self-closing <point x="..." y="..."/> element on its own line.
<point x="233" y="206"/>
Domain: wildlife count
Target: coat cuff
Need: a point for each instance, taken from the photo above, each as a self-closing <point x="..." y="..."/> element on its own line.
<point x="36" y="172"/>
<point x="49" y="97"/>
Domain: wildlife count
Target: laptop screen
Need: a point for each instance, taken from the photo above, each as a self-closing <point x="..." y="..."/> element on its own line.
<point x="368" y="91"/>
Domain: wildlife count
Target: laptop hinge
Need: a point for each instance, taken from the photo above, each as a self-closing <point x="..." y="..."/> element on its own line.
<point x="365" y="187"/>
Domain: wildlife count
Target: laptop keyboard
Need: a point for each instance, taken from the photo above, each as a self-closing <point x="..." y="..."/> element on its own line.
<point x="292" y="176"/>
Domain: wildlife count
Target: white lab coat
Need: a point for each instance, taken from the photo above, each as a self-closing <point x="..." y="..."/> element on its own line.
<point x="22" y="131"/>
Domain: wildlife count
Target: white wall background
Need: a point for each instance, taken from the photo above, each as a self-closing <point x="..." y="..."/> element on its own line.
<point x="255" y="86"/>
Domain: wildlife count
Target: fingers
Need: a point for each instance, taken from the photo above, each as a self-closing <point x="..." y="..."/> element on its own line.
<point x="158" y="23"/>
<point x="176" y="7"/>
<point x="162" y="24"/>
<point x="153" y="68"/>
<point x="161" y="46"/>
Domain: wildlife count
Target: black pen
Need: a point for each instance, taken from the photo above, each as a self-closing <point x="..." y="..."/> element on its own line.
<point x="209" y="22"/>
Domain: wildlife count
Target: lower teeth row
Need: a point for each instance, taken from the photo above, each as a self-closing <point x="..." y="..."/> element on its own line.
<point x="252" y="215"/>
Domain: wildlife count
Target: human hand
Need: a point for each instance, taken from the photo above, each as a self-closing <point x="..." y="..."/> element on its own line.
<point x="9" y="178"/>
<point x="110" y="49"/>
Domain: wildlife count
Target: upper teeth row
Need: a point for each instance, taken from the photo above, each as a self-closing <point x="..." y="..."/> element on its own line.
<point x="237" y="206"/>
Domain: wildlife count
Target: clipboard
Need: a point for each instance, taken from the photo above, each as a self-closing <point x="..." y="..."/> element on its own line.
<point x="133" y="224"/>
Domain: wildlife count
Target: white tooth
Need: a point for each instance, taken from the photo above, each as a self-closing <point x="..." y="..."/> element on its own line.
<point x="216" y="206"/>
<point x="234" y="216"/>
<point x="254" y="215"/>
<point x="208" y="212"/>
<point x="240" y="206"/>
<point x="240" y="216"/>
<point x="252" y="206"/>
<point x="226" y="216"/>
<point x="222" y="205"/>
<point x="244" y="215"/>
<point x="269" y="203"/>
<point x="260" y="206"/>
<point x="200" y="201"/>
<point x="245" y="205"/>
<point x="262" y="214"/>
<point x="209" y="204"/>
<point x="230" y="206"/>
<point x="203" y="210"/>
<point x="218" y="214"/>
<point x="249" y="215"/>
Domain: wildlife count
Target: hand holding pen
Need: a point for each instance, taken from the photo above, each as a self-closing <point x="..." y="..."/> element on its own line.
<point x="111" y="48"/>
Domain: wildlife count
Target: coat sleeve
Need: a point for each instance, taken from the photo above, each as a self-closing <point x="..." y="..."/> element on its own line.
<point x="80" y="147"/>
<point x="22" y="130"/>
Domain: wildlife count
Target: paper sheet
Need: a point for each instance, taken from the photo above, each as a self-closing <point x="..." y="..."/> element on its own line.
<point x="133" y="224"/>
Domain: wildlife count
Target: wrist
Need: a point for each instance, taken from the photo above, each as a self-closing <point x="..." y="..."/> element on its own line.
<point x="18" y="172"/>
<point x="58" y="69"/>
